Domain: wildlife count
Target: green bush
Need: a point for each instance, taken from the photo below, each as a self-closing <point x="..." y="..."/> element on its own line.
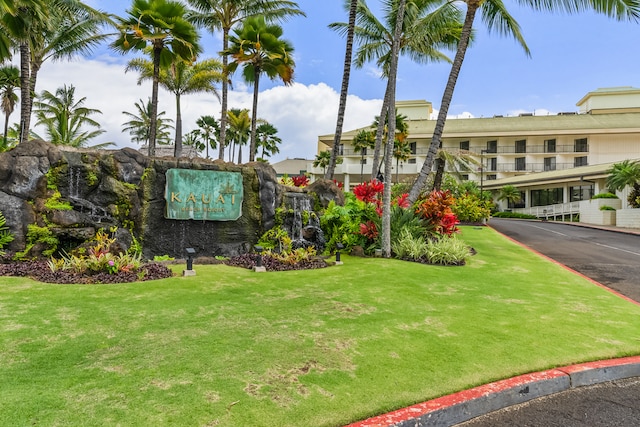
<point x="513" y="215"/>
<point x="447" y="251"/>
<point x="607" y="208"/>
<point x="408" y="246"/>
<point x="341" y="224"/>
<point x="5" y="235"/>
<point x="406" y="220"/>
<point x="604" y="196"/>
<point x="469" y="208"/>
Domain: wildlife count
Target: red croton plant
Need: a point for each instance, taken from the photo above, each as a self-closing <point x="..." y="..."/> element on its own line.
<point x="435" y="208"/>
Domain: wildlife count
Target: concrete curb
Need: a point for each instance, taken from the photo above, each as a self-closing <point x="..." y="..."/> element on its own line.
<point x="467" y="404"/>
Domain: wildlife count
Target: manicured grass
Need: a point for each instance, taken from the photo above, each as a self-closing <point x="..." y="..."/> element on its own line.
<point x="326" y="347"/>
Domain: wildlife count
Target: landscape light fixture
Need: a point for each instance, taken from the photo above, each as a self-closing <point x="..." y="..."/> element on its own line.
<point x="339" y="247"/>
<point x="190" y="253"/>
<point x="259" y="267"/>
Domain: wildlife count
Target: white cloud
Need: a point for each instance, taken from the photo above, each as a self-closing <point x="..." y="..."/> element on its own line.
<point x="299" y="112"/>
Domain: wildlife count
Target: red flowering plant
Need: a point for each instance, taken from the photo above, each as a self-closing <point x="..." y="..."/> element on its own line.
<point x="339" y="184"/>
<point x="436" y="210"/>
<point x="300" y="180"/>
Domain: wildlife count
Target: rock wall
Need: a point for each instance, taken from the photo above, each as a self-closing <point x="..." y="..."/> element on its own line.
<point x="76" y="192"/>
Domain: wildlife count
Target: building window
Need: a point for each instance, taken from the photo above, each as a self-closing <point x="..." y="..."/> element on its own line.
<point x="411" y="161"/>
<point x="521" y="163"/>
<point x="580" y="161"/>
<point x="583" y="192"/>
<point x="492" y="146"/>
<point x="464" y="177"/>
<point x="493" y="164"/>
<point x="580" y="145"/>
<point x="363" y="161"/>
<point x="492" y="177"/>
<point x="549" y="196"/>
<point x="550" y="146"/>
<point x="464" y="145"/>
<point x="413" y="146"/>
<point x="521" y="146"/>
<point x="549" y="163"/>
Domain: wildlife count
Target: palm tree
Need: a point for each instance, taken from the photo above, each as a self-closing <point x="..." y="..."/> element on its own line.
<point x="401" y="152"/>
<point x="623" y="174"/>
<point x="9" y="81"/>
<point x="208" y="129"/>
<point x="64" y="118"/>
<point x="224" y="15"/>
<point x="344" y="89"/>
<point x="509" y="193"/>
<point x="181" y="78"/>
<point x="139" y="124"/>
<point x="460" y="160"/>
<point x="363" y="140"/>
<point x="239" y="130"/>
<point x="401" y="134"/>
<point x="428" y="25"/>
<point x="267" y="139"/>
<point x="497" y="17"/>
<point x="161" y="26"/>
<point x="322" y="160"/>
<point x="257" y="47"/>
<point x="54" y="29"/>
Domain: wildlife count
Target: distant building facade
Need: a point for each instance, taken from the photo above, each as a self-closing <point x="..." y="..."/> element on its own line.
<point x="551" y="158"/>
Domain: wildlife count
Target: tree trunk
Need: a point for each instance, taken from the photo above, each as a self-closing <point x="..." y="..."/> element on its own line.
<point x="375" y="167"/>
<point x="25" y="92"/>
<point x="177" y="148"/>
<point x="225" y="94"/>
<point x="153" y="119"/>
<point x="391" y="113"/>
<point x="437" y="179"/>
<point x="346" y="73"/>
<point x="436" y="140"/>
<point x="254" y="116"/>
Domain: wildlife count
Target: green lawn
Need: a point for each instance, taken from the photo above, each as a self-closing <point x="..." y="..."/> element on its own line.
<point x="230" y="347"/>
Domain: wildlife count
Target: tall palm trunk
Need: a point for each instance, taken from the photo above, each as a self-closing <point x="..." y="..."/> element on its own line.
<point x="225" y="94"/>
<point x="437" y="179"/>
<point x="153" y="119"/>
<point x="25" y="91"/>
<point x="391" y="114"/>
<point x="344" y="89"/>
<point x="436" y="140"/>
<point x="177" y="148"/>
<point x="376" y="166"/>
<point x="254" y="117"/>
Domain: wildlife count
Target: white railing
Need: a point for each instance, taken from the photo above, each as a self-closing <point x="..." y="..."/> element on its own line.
<point x="551" y="211"/>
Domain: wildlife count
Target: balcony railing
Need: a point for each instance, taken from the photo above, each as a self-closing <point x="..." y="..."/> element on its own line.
<point x="532" y="149"/>
<point x="528" y="167"/>
<point x="551" y="211"/>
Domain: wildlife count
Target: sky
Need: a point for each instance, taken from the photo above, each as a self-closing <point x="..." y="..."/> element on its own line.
<point x="571" y="55"/>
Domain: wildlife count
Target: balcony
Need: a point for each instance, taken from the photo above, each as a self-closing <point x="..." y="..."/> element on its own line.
<point x="528" y="167"/>
<point x="532" y="149"/>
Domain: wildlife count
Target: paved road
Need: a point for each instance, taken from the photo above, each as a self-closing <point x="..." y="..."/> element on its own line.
<point x="608" y="257"/>
<point x="612" y="259"/>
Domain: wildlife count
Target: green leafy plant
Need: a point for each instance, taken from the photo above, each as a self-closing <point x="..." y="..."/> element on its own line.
<point x="54" y="203"/>
<point x="163" y="258"/>
<point x="605" y="196"/>
<point x="408" y="246"/>
<point x="607" y="208"/>
<point x="447" y="251"/>
<point x="513" y="215"/>
<point x="341" y="224"/>
<point x="5" y="235"/>
<point x="36" y="234"/>
<point x="276" y="239"/>
<point x="469" y="208"/>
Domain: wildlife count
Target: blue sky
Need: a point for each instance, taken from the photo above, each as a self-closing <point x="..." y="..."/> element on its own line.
<point x="570" y="56"/>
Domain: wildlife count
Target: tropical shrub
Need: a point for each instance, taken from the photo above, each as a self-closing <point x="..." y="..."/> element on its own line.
<point x="39" y="235"/>
<point x="606" y="195"/>
<point x="469" y="208"/>
<point x="410" y="247"/>
<point x="607" y="208"/>
<point x="300" y="180"/>
<point x="447" y="251"/>
<point x="435" y="209"/>
<point x="276" y="239"/>
<point x="513" y="215"/>
<point x="341" y="224"/>
<point x="5" y="235"/>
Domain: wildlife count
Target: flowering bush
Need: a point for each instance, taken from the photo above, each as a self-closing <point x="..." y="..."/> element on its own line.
<point x="300" y="180"/>
<point x="339" y="184"/>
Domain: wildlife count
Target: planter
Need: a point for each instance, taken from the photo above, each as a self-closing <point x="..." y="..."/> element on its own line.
<point x="628" y="218"/>
<point x="590" y="212"/>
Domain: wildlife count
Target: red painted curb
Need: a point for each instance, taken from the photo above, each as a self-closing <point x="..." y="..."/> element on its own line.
<point x="421" y="409"/>
<point x="443" y="402"/>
